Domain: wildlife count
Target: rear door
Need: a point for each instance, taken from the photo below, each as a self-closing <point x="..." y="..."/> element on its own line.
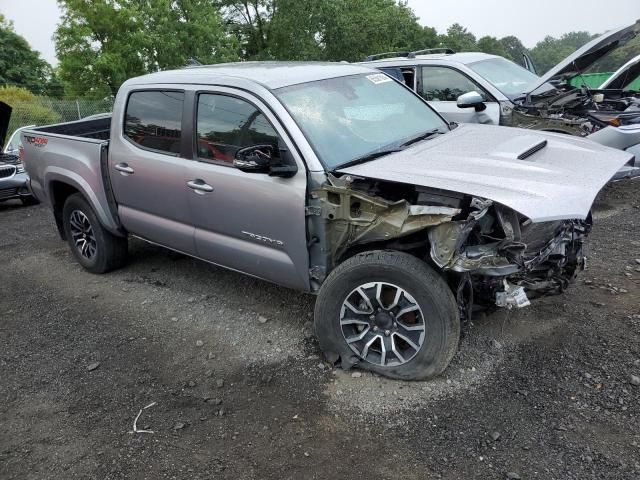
<point x="249" y="222"/>
<point x="441" y="87"/>
<point x="149" y="171"/>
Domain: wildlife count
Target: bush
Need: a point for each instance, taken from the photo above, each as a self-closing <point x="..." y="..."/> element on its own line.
<point x="28" y="109"/>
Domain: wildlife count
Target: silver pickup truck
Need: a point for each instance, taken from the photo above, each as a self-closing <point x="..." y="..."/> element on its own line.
<point x="331" y="179"/>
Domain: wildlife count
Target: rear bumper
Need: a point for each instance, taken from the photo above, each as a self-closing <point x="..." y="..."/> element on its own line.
<point x="16" y="186"/>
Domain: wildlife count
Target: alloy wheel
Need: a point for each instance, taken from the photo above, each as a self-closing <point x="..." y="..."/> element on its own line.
<point x="382" y="323"/>
<point x="83" y="235"/>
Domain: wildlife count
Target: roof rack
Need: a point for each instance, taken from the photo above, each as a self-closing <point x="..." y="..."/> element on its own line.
<point x="378" y="56"/>
<point x="425" y="51"/>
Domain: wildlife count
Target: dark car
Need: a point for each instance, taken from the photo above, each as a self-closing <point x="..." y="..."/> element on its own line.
<point x="14" y="181"/>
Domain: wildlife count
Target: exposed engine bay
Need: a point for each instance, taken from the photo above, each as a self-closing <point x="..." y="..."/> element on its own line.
<point x="489" y="254"/>
<point x="577" y="111"/>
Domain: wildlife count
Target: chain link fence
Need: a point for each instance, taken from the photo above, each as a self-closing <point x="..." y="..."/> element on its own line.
<point x="46" y="110"/>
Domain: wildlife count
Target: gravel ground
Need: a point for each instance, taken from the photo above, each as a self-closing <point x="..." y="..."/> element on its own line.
<point x="240" y="390"/>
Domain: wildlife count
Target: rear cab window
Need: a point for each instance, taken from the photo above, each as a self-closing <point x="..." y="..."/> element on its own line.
<point x="153" y="120"/>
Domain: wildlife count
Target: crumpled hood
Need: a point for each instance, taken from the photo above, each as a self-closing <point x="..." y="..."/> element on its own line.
<point x="558" y="177"/>
<point x="5" y="116"/>
<point x="590" y="53"/>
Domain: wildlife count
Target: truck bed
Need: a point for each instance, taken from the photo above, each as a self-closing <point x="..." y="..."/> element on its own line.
<point x="97" y="128"/>
<point x="75" y="154"/>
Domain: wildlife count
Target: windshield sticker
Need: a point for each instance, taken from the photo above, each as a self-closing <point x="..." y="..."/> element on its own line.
<point x="378" y="78"/>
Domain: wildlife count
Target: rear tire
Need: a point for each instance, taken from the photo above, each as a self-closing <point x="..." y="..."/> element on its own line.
<point x="390" y="313"/>
<point x="95" y="248"/>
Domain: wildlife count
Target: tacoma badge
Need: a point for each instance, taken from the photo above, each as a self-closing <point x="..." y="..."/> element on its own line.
<point x="262" y="238"/>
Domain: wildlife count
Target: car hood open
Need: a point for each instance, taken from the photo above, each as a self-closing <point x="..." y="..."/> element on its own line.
<point x="590" y="53"/>
<point x="544" y="176"/>
<point x="5" y="116"/>
<point x="622" y="77"/>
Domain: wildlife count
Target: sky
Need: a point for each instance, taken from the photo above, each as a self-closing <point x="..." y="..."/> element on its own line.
<point x="529" y="20"/>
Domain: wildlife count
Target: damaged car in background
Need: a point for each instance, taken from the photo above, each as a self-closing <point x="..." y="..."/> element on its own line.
<point x="583" y="111"/>
<point x="335" y="180"/>
<point x="474" y="87"/>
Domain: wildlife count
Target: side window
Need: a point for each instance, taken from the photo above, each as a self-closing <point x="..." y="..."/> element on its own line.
<point x="442" y="84"/>
<point x="406" y="75"/>
<point x="153" y="119"/>
<point x="226" y="124"/>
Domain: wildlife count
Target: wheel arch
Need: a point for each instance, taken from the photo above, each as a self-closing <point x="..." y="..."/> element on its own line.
<point x="61" y="185"/>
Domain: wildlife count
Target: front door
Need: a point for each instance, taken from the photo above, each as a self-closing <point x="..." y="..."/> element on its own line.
<point x="148" y="171"/>
<point x="249" y="222"/>
<point x="441" y="87"/>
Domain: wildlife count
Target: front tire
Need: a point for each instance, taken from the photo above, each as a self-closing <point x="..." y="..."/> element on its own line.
<point x="390" y="313"/>
<point x="95" y="248"/>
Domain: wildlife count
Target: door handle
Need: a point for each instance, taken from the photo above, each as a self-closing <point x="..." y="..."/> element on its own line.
<point x="124" y="169"/>
<point x="199" y="186"/>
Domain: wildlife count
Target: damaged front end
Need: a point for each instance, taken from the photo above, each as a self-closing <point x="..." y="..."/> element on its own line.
<point x="508" y="257"/>
<point x="489" y="254"/>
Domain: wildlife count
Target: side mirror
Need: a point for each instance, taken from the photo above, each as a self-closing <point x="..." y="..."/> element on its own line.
<point x="261" y="159"/>
<point x="471" y="100"/>
<point x="254" y="159"/>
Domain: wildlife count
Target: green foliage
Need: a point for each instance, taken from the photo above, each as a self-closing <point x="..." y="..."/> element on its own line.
<point x="100" y="44"/>
<point x="513" y="48"/>
<point x="493" y="46"/>
<point x="459" y="39"/>
<point x="551" y="51"/>
<point x="19" y="64"/>
<point x="324" y="29"/>
<point x="27" y="108"/>
<point x="357" y="28"/>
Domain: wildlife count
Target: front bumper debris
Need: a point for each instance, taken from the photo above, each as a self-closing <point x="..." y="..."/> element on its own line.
<point x="510" y="265"/>
<point x="512" y="296"/>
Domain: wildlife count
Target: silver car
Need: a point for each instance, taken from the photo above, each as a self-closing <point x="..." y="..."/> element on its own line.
<point x="474" y="87"/>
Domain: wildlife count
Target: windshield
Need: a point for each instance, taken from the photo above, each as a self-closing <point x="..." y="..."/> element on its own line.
<point x="348" y="118"/>
<point x="509" y="78"/>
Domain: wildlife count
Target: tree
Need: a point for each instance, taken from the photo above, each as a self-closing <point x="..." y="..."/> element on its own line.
<point x="324" y="29"/>
<point x="19" y="64"/>
<point x="459" y="39"/>
<point x="492" y="45"/>
<point x="101" y="44"/>
<point x="513" y="48"/>
<point x="356" y="28"/>
<point x="250" y="22"/>
<point x="429" y="38"/>
<point x="551" y="51"/>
